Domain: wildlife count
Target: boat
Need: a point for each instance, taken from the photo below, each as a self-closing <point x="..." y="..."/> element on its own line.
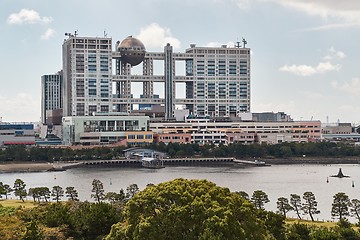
<point x="260" y="163"/>
<point x="150" y="162"/>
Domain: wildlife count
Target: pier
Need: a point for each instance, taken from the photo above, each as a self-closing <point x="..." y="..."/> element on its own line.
<point x="172" y="162"/>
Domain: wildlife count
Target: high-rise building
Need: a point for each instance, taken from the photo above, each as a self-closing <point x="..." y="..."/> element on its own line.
<point x="220" y="80"/>
<point x="51" y="93"/>
<point x="87" y="75"/>
<point x="217" y="79"/>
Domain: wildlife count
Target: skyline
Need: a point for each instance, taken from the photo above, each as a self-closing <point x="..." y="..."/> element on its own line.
<point x="303" y="53"/>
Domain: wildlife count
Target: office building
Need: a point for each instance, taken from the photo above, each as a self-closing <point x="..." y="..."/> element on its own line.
<point x="16" y="134"/>
<point x="106" y="129"/>
<point x="87" y="75"/>
<point x="51" y="93"/>
<point x="217" y="79"/>
<point x="208" y="131"/>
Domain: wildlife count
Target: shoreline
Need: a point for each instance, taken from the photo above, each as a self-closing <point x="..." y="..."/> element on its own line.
<point x="13" y="167"/>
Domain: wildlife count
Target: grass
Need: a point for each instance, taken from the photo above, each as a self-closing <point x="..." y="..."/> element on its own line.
<point x="17" y="203"/>
<point x="309" y="222"/>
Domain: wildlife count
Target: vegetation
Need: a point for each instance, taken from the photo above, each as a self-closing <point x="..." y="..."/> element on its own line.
<point x="282" y="150"/>
<point x="98" y="190"/>
<point x="190" y="209"/>
<point x="259" y="198"/>
<point x="310" y="205"/>
<point x="340" y="206"/>
<point x="283" y="206"/>
<point x="295" y="202"/>
<point x="177" y="209"/>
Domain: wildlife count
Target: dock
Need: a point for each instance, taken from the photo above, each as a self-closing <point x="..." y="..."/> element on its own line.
<point x="173" y="162"/>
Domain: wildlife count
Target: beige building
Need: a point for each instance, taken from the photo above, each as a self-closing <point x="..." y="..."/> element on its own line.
<point x="208" y="131"/>
<point x="100" y="130"/>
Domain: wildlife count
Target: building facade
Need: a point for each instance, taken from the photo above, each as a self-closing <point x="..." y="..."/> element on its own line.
<point x="87" y="75"/>
<point x="51" y="93"/>
<point x="208" y="131"/>
<point x="102" y="130"/>
<point x="217" y="79"/>
<point x="220" y="80"/>
<point x="17" y="134"/>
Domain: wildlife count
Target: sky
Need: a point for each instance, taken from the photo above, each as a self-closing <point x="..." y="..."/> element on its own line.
<point x="304" y="62"/>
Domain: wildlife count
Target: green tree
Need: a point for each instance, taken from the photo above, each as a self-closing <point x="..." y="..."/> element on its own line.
<point x="340" y="205"/>
<point x="98" y="190"/>
<point x="355" y="209"/>
<point x="7" y="191"/>
<point x="92" y="221"/>
<point x="283" y="205"/>
<point x="45" y="193"/>
<point x="71" y="194"/>
<point x="244" y="195"/>
<point x="57" y="192"/>
<point x="19" y="189"/>
<point x="2" y="189"/>
<point x="132" y="190"/>
<point x="114" y="197"/>
<point x="310" y="205"/>
<point x="34" y="193"/>
<point x="259" y="198"/>
<point x="189" y="209"/>
<point x="295" y="202"/>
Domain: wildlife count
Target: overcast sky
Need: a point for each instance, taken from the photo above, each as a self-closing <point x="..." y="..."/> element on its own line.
<point x="305" y="54"/>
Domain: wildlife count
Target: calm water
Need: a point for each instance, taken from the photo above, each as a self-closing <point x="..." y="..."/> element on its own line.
<point x="276" y="181"/>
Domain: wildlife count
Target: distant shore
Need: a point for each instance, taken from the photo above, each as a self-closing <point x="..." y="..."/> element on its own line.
<point x="312" y="160"/>
<point x="7" y="167"/>
<point x="25" y="167"/>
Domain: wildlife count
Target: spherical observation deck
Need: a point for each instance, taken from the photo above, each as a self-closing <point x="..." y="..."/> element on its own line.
<point x="132" y="51"/>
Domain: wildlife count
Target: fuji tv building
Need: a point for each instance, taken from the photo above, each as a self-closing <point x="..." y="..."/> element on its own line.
<point x="216" y="79"/>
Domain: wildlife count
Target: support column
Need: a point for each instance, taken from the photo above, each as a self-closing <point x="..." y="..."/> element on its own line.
<point x="169" y="70"/>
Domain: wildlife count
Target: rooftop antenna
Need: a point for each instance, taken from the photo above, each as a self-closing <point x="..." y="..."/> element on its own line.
<point x="244" y="42"/>
<point x="105" y="34"/>
<point x="237" y="45"/>
<point x="76" y="33"/>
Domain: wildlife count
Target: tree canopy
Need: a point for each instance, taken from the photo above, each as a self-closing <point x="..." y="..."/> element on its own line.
<point x="189" y="209"/>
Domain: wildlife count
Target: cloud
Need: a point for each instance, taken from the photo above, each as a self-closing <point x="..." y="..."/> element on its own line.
<point x="334" y="54"/>
<point x="305" y="70"/>
<point x="243" y="4"/>
<point x="352" y="87"/>
<point x="27" y="16"/>
<point x="19" y="107"/>
<point x="347" y="13"/>
<point x="155" y="36"/>
<point x="49" y="33"/>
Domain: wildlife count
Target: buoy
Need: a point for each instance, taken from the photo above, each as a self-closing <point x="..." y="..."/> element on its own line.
<point x="110" y="182"/>
<point x="54" y="176"/>
<point x="327" y="180"/>
<point x="353" y="184"/>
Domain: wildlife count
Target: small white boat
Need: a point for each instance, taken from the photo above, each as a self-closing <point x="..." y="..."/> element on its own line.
<point x="150" y="162"/>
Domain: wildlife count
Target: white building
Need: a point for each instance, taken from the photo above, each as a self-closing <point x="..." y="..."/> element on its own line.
<point x="105" y="129"/>
<point x="17" y="134"/>
<point x="217" y="79"/>
<point x="220" y="80"/>
<point x="87" y="75"/>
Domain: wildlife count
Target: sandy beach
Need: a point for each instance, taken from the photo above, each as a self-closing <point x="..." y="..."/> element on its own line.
<point x="25" y="167"/>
